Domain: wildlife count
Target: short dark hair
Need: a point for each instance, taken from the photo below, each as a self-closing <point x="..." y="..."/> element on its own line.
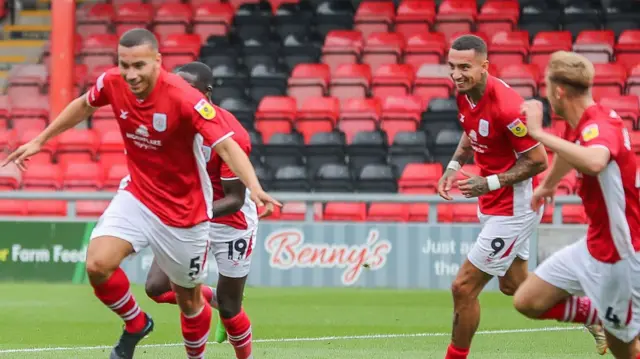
<point x="137" y="37"/>
<point x="202" y="72"/>
<point x="470" y="42"/>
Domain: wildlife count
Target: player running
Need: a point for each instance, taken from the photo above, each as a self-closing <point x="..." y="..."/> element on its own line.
<point x="166" y="201"/>
<point x="232" y="233"/>
<point x="605" y="265"/>
<point x="509" y="159"/>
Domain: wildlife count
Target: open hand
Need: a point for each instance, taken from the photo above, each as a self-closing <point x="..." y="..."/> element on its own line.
<point x="473" y="186"/>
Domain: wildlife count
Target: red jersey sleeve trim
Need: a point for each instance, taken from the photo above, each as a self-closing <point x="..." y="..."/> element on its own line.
<point x="529" y="149"/>
<point x="223" y="138"/>
<point x="86" y="99"/>
<point x="229" y="178"/>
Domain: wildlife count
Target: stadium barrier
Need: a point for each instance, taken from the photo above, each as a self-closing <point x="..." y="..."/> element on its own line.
<point x="287" y="253"/>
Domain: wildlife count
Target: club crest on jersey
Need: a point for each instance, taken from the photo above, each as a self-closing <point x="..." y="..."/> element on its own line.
<point x="590" y="132"/>
<point x="205" y="109"/>
<point x="159" y="122"/>
<point x="483" y="127"/>
<point x="517" y="128"/>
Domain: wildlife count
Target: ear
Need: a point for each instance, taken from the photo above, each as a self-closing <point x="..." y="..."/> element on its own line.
<point x="485" y="65"/>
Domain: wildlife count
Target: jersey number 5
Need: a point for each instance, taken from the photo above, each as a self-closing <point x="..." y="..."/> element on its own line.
<point x="195" y="267"/>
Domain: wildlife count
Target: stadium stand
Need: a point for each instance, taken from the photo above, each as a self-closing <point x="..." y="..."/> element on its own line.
<point x="338" y="95"/>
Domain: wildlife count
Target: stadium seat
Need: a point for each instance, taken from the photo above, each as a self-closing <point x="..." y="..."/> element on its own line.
<point x="114" y="176"/>
<point x="596" y="45"/>
<point x="441" y="114"/>
<point x="132" y="15"/>
<point x="11" y="207"/>
<point x="77" y="145"/>
<point x="99" y="50"/>
<point x="400" y="113"/>
<point x="627" y="108"/>
<point x="10" y="177"/>
<point x="212" y="18"/>
<point x="420" y="178"/>
<point x="309" y="80"/>
<point x="46" y="208"/>
<point x="350" y="80"/>
<point x="374" y="16"/>
<point x="359" y="114"/>
<point x="292" y="179"/>
<point x="424" y="48"/>
<point x="325" y="148"/>
<point x="333" y="15"/>
<point x="296" y="211"/>
<point x="377" y="178"/>
<point x="415" y="16"/>
<point x="82" y="176"/>
<point x="446" y="141"/>
<point x="547" y="42"/>
<point x="573" y="214"/>
<point x="418" y="212"/>
<point x="498" y="16"/>
<point x="627" y="50"/>
<point x="409" y="147"/>
<point x="171" y="18"/>
<point x="342" y="47"/>
<point x="609" y="80"/>
<point x="523" y="78"/>
<point x="317" y="114"/>
<point x="345" y="211"/>
<point x="433" y="81"/>
<point x="388" y="212"/>
<point x="92" y="209"/>
<point x="508" y="48"/>
<point x="367" y="147"/>
<point x="382" y="48"/>
<point x="179" y="49"/>
<point x="284" y="149"/>
<point x="275" y="114"/>
<point x="633" y="82"/>
<point x="333" y="178"/>
<point x="94" y="18"/>
<point x="455" y="16"/>
<point x="393" y="80"/>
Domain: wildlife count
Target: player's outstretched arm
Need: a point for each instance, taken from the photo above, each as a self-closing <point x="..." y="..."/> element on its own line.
<point x="587" y="160"/>
<point x="559" y="169"/>
<point x="74" y="113"/>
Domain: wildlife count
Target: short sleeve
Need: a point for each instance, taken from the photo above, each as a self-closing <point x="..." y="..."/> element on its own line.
<point x="98" y="96"/>
<point x="208" y="122"/>
<point x="601" y="134"/>
<point x="516" y="130"/>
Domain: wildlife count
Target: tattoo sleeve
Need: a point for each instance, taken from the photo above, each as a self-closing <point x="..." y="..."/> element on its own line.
<point x="464" y="152"/>
<point x="524" y="168"/>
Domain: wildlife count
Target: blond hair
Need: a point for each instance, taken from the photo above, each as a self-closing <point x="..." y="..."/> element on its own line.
<point x="572" y="71"/>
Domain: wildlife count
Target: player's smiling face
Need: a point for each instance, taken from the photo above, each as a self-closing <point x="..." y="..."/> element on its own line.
<point x="466" y="68"/>
<point x="139" y="67"/>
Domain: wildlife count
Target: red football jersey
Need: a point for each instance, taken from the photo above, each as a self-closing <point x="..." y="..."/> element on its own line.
<point x="247" y="217"/>
<point x="163" y="136"/>
<point x="610" y="199"/>
<point x="498" y="136"/>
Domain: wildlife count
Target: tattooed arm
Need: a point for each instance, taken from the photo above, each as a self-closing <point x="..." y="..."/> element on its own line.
<point x="528" y="165"/>
<point x="464" y="152"/>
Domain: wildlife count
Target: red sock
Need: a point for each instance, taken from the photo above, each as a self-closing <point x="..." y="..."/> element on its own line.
<point x="115" y="293"/>
<point x="170" y="297"/>
<point x="454" y="352"/>
<point x="239" y="331"/>
<point x="573" y="310"/>
<point x="195" y="331"/>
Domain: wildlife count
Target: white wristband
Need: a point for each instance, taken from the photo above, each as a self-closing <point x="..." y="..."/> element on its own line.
<point x="493" y="182"/>
<point x="454" y="165"/>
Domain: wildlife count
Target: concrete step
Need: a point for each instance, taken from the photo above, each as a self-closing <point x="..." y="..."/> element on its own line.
<point x="34" y="17"/>
<point x="26" y="32"/>
<point x="31" y="50"/>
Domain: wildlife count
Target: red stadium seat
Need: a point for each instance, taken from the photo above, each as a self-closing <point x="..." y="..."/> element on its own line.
<point x="8" y="139"/>
<point x="596" y="45"/>
<point x="99" y="50"/>
<point x="610" y="80"/>
<point x="91" y="208"/>
<point x="359" y="114"/>
<point x="172" y="18"/>
<point x="11" y="207"/>
<point x="179" y="49"/>
<point x="28" y="75"/>
<point x="456" y="16"/>
<point x="111" y="142"/>
<point x="110" y="159"/>
<point x="212" y="19"/>
<point x="47" y="208"/>
<point x="418" y="212"/>
<point x="635" y="141"/>
<point x="573" y="214"/>
<point x="382" y="48"/>
<point x="275" y="114"/>
<point x="296" y="211"/>
<point x="420" y="175"/>
<point x="82" y="143"/>
<point x="94" y="18"/>
<point x="42" y="175"/>
<point x="132" y="15"/>
<point x="309" y="80"/>
<point x="374" y="16"/>
<point x="523" y="78"/>
<point x="508" y="48"/>
<point x="317" y="114"/>
<point x="30" y="134"/>
<point x="102" y="126"/>
<point x="433" y="81"/>
<point x="547" y="215"/>
<point x="465" y="212"/>
<point x="114" y="176"/>
<point x="275" y="215"/>
<point x="424" y="48"/>
<point x="5" y="106"/>
<point x="627" y="107"/>
<point x="10" y="177"/>
<point x="628" y="48"/>
<point x="345" y="211"/>
<point x="393" y="80"/>
<point x="633" y="82"/>
<point x="497" y="16"/>
<point x="415" y="16"/>
<point x="83" y="175"/>
<point x="350" y="80"/>
<point x="342" y="47"/>
<point x="388" y="212"/>
<point x="547" y="42"/>
<point x="400" y="113"/>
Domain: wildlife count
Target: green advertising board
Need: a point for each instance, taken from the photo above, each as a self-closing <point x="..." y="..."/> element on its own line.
<point x="52" y="252"/>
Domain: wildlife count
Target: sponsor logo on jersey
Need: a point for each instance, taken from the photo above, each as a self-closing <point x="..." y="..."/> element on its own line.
<point x="205" y="109"/>
<point x="590" y="132"/>
<point x="517" y="128"/>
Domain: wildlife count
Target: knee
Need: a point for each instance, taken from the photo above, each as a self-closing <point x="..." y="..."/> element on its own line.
<point x="228" y="307"/>
<point x="153" y="289"/>
<point x="460" y="290"/>
<point x="99" y="267"/>
<point x="526" y="306"/>
<point x="507" y="288"/>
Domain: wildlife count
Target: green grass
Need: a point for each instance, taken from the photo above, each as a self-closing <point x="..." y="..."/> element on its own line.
<point x="37" y="315"/>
